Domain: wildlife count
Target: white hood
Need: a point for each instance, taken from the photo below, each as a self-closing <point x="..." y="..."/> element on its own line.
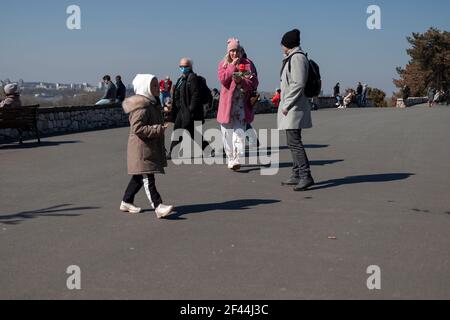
<point x="141" y="84"/>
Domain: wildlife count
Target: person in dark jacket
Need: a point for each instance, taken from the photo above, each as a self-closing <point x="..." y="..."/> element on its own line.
<point x="187" y="106"/>
<point x="121" y="90"/>
<point x="337" y="94"/>
<point x="337" y="90"/>
<point x="359" y="94"/>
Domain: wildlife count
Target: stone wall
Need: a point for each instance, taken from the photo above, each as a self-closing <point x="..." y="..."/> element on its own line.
<point x="62" y="120"/>
<point x="330" y="102"/>
<point x="320" y="102"/>
<point x="412" y="101"/>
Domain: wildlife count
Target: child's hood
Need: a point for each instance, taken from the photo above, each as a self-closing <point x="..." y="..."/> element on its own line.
<point x="143" y="97"/>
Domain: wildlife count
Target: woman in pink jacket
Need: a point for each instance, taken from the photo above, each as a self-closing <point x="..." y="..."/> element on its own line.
<point x="239" y="80"/>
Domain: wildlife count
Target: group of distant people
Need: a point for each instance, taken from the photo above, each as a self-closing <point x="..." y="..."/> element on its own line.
<point x="114" y="93"/>
<point x="358" y="96"/>
<point x="438" y="97"/>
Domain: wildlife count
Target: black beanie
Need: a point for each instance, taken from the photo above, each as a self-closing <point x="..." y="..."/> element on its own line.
<point x="291" y="39"/>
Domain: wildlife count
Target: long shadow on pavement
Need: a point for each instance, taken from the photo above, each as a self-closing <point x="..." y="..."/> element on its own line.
<point x="36" y="145"/>
<point x="316" y="163"/>
<point x="388" y="177"/>
<point x="309" y="146"/>
<point x="14" y="219"/>
<point x="235" y="205"/>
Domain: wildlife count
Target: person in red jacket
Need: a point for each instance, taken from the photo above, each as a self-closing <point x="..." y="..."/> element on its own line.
<point x="277" y="98"/>
<point x="166" y="89"/>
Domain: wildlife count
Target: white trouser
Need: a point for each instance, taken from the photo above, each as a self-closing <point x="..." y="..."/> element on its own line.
<point x="103" y="102"/>
<point x="234" y="141"/>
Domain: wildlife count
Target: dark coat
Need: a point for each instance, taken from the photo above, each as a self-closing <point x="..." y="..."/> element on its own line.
<point x="146" y="147"/>
<point x="111" y="92"/>
<point x="121" y="91"/>
<point x="337" y="91"/>
<point x="359" y="90"/>
<point x="187" y="103"/>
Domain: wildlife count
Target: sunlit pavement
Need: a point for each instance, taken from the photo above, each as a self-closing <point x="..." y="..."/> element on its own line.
<point x="381" y="199"/>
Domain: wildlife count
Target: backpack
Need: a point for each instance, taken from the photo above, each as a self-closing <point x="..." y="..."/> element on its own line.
<point x="314" y="83"/>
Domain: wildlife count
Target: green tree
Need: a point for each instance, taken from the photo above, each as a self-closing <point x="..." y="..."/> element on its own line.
<point x="429" y="64"/>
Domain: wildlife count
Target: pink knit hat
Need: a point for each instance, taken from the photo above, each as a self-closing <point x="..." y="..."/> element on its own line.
<point x="233" y="44"/>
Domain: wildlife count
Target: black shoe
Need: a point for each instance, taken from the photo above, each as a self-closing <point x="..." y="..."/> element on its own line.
<point x="213" y="153"/>
<point x="292" y="181"/>
<point x="304" y="184"/>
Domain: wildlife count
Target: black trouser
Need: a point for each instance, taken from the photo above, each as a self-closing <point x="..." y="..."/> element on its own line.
<point x="190" y="128"/>
<point x="149" y="184"/>
<point x="301" y="163"/>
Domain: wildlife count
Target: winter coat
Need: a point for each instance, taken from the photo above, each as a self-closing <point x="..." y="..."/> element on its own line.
<point x="11" y="102"/>
<point x="121" y="91"/>
<point x="146" y="147"/>
<point x="226" y="72"/>
<point x="110" y="93"/>
<point x="187" y="104"/>
<point x="276" y="99"/>
<point x="293" y="96"/>
<point x="165" y="86"/>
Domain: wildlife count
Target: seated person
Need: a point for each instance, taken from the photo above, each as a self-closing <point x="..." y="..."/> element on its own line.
<point x="110" y="93"/>
<point x="12" y="97"/>
<point x="348" y="100"/>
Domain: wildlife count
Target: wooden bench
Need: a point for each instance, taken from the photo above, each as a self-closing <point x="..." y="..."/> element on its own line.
<point x="22" y="119"/>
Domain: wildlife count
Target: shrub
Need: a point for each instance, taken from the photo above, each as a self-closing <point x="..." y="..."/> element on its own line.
<point x="378" y="97"/>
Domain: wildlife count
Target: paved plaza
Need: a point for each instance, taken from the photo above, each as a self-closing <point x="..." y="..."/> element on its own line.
<point x="382" y="198"/>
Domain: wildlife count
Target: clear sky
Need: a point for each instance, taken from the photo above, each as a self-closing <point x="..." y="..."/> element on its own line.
<point x="149" y="36"/>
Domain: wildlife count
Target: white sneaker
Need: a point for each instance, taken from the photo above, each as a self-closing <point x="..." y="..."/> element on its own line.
<point x="163" y="211"/>
<point x="234" y="165"/>
<point x="126" y="207"/>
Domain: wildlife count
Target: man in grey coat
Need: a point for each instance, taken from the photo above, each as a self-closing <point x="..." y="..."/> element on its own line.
<point x="294" y="113"/>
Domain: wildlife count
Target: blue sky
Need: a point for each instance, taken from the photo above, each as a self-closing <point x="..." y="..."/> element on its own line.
<point x="137" y="36"/>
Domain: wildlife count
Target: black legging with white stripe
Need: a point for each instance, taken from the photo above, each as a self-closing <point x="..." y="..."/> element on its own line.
<point x="149" y="184"/>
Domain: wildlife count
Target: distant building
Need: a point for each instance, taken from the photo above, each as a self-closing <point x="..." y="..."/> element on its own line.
<point x="90" y="89"/>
